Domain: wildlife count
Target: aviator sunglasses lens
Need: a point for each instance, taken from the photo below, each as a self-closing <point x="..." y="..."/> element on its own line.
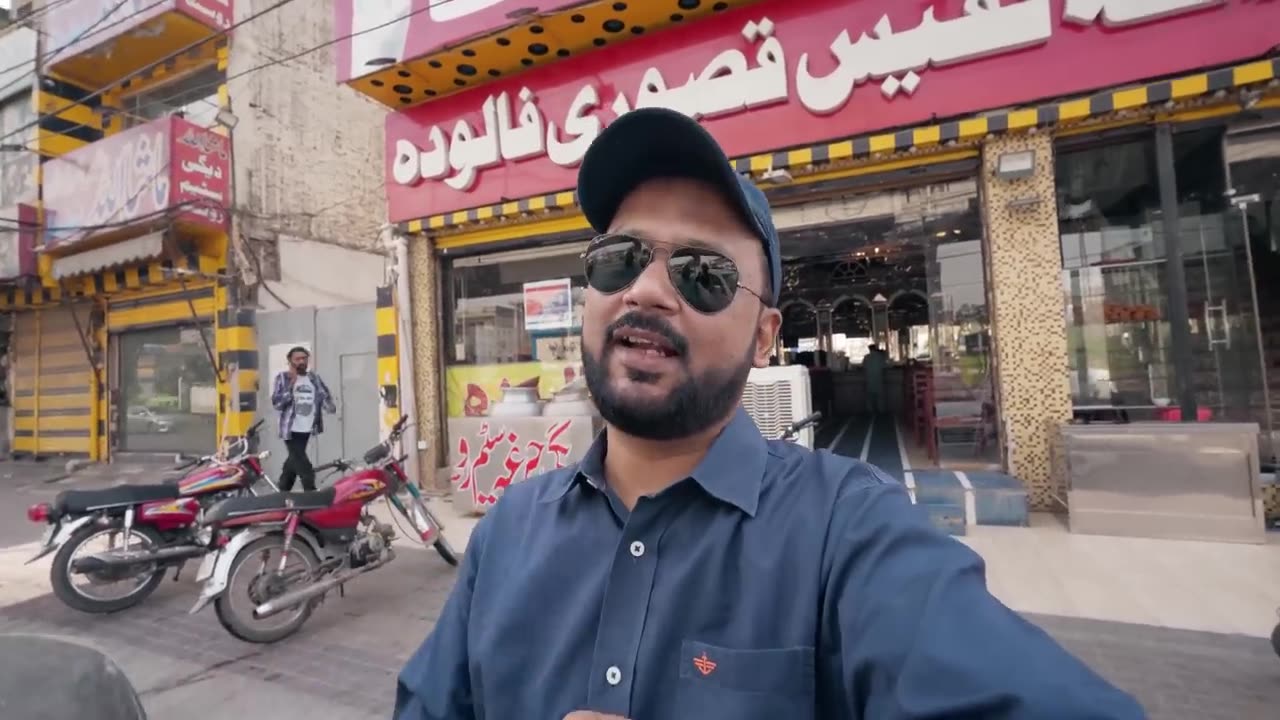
<point x="613" y="263"/>
<point x="706" y="280"/>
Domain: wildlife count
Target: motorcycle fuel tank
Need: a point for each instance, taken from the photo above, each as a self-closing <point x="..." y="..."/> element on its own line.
<point x="169" y="514"/>
<point x="210" y="480"/>
<point x="351" y="494"/>
<point x="360" y="486"/>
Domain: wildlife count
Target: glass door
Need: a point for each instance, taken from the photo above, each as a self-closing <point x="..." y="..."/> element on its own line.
<point x="1253" y="174"/>
<point x="1226" y="363"/>
<point x="168" y="391"/>
<point x="1127" y="346"/>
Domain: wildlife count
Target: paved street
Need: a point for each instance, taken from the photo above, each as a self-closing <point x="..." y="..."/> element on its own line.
<point x="343" y="664"/>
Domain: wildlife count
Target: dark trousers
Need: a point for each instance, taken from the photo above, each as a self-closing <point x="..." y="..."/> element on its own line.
<point x="297" y="465"/>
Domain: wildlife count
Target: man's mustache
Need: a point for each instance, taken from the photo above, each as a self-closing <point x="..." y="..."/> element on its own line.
<point x="649" y="323"/>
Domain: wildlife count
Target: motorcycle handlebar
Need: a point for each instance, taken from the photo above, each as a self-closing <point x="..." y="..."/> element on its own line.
<point x="335" y="465"/>
<point x="801" y="424"/>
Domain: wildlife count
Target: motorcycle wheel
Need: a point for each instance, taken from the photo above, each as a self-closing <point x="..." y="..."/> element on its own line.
<point x="235" y="608"/>
<point x="443" y="547"/>
<point x="66" y="591"/>
<point x="1275" y="639"/>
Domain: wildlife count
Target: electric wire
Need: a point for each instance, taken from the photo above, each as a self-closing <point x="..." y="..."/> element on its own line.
<point x="212" y="87"/>
<point x="154" y="64"/>
<point x="86" y="33"/>
<point x="13" y="222"/>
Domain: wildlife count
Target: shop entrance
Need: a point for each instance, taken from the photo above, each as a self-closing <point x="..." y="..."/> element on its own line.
<point x="1253" y="169"/>
<point x="168" y="390"/>
<point x="885" y="302"/>
<point x="1131" y="360"/>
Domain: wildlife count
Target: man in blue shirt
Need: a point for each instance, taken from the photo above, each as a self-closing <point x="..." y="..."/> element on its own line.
<point x="689" y="568"/>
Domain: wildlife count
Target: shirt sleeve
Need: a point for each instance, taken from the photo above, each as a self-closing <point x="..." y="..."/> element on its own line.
<point x="908" y="617"/>
<point x="281" y="398"/>
<point x="436" y="682"/>
<point x="329" y="406"/>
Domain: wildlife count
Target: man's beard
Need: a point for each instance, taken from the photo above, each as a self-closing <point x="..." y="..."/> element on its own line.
<point x="692" y="406"/>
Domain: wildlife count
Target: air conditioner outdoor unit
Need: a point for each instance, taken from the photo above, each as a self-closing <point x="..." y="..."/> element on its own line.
<point x="776" y="397"/>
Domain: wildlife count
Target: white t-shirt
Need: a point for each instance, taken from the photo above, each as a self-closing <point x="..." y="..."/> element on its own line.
<point x="304" y="405"/>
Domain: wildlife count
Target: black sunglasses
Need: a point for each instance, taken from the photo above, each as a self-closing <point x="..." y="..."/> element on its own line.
<point x="705" y="279"/>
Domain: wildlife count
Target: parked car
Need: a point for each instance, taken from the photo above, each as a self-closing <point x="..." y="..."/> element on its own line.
<point x="141" y="419"/>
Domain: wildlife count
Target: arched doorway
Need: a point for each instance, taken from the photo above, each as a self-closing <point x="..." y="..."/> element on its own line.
<point x="909" y="330"/>
<point x="851" y="326"/>
<point x="799" y="338"/>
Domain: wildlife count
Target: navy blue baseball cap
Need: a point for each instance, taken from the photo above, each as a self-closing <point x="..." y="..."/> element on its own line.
<point x="659" y="143"/>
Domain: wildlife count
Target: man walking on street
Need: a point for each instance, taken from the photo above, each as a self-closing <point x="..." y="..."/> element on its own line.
<point x="299" y="396"/>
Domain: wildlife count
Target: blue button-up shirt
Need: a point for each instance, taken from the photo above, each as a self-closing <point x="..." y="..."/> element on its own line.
<point x="773" y="583"/>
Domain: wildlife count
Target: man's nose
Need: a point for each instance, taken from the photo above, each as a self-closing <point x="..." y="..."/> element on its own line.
<point x="653" y="289"/>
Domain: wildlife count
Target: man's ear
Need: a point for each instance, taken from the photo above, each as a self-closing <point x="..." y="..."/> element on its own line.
<point x="766" y="334"/>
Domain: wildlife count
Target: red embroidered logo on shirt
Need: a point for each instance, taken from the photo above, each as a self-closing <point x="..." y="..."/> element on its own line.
<point x="705" y="665"/>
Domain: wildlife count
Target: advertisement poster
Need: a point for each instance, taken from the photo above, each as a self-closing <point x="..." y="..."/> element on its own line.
<point x="548" y="305"/>
<point x="471" y="390"/>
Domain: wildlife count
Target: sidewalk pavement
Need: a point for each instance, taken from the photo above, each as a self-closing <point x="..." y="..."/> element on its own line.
<point x="1045" y="569"/>
<point x="28" y="473"/>
<point x="1103" y="598"/>
<point x="1230" y="588"/>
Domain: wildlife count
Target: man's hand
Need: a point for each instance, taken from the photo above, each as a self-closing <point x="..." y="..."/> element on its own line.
<point x="293" y="375"/>
<point x="589" y="715"/>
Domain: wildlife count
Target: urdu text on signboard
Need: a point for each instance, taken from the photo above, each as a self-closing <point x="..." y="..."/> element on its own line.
<point x="774" y="75"/>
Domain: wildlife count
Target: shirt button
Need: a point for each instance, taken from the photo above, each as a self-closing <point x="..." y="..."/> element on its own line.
<point x="613" y="675"/>
<point x="637" y="549"/>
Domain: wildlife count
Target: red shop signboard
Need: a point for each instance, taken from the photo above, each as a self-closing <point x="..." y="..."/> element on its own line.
<point x="169" y="168"/>
<point x="786" y="73"/>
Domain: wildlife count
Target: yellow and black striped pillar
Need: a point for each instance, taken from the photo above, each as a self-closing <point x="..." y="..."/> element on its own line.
<point x="101" y="450"/>
<point x="236" y="341"/>
<point x="386" y="324"/>
<point x="70" y="117"/>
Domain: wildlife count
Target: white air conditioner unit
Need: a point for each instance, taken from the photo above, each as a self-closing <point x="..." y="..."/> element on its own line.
<point x="776" y="397"/>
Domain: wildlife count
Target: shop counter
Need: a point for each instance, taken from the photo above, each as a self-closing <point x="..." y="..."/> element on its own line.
<point x="488" y="454"/>
<point x="1190" y="481"/>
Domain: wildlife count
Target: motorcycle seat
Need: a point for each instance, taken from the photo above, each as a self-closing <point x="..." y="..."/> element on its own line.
<point x="240" y="506"/>
<point x="76" y="502"/>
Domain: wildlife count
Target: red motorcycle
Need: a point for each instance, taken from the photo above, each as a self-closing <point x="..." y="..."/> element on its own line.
<point x="147" y="529"/>
<point x="279" y="555"/>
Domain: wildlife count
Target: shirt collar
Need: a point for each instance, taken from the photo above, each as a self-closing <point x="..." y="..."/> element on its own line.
<point x="732" y="471"/>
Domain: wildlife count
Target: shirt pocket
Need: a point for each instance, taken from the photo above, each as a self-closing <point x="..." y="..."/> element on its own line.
<point x="744" y="684"/>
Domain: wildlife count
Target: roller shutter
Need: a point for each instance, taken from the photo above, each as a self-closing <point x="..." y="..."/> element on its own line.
<point x="52" y="384"/>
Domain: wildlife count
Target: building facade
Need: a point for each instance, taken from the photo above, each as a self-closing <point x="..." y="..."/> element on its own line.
<point x="193" y="173"/>
<point x="987" y="189"/>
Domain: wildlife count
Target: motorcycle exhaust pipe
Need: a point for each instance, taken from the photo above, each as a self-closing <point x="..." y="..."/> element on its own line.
<point x="103" y="561"/>
<point x="297" y="597"/>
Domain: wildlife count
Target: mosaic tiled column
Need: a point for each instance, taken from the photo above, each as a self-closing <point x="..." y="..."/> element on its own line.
<point x="1028" y="327"/>
<point x="423" y="294"/>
